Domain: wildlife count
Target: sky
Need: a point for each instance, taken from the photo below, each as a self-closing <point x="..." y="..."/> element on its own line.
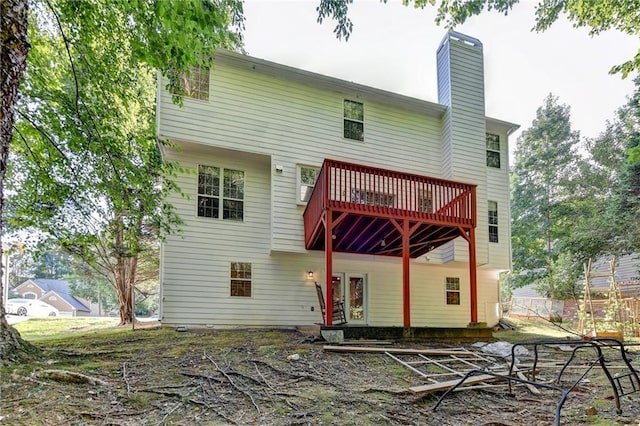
<point x="393" y="47"/>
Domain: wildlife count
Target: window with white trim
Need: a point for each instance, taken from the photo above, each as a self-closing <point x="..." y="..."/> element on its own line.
<point x="195" y="83"/>
<point x="493" y="151"/>
<point x="353" y="120"/>
<point x="493" y="222"/>
<point x="371" y="198"/>
<point x="240" y="279"/>
<point x="307" y="176"/>
<point x="425" y="201"/>
<point x="220" y="193"/>
<point x="453" y="290"/>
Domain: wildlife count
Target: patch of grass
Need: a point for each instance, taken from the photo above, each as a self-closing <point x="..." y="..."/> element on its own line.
<point x="529" y="330"/>
<point x="35" y="329"/>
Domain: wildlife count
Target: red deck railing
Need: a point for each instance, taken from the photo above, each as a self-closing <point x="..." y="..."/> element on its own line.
<point x="379" y="192"/>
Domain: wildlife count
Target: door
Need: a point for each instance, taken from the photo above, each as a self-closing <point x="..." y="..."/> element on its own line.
<point x="352" y="290"/>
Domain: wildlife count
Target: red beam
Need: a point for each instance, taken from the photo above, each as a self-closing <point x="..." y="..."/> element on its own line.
<point x="406" y="252"/>
<point x="328" y="267"/>
<point x="473" y="277"/>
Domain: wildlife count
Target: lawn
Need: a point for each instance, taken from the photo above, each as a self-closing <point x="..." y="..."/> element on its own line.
<point x="157" y="376"/>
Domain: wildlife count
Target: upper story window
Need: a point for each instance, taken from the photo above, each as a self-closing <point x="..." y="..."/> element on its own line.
<point x="240" y="279"/>
<point x="493" y="150"/>
<point x="453" y="290"/>
<point x="307" y="176"/>
<point x="353" y="120"/>
<point x="493" y="222"/>
<point x="220" y="190"/>
<point x="195" y="83"/>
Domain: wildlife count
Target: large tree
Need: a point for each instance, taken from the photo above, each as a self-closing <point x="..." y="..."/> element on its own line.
<point x="543" y="180"/>
<point x="597" y="16"/>
<point x="86" y="133"/>
<point x="625" y="202"/>
<point x="14" y="48"/>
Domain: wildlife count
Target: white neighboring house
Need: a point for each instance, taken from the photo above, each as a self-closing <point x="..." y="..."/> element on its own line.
<point x="397" y="206"/>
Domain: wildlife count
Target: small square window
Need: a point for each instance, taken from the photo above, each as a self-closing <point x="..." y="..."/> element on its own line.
<point x="240" y="279"/>
<point x="453" y="290"/>
<point x="353" y="120"/>
<point x="195" y="83"/>
<point x="493" y="151"/>
<point x="307" y="177"/>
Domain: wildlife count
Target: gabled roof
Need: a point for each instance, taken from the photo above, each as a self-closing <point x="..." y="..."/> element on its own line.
<point x="75" y="303"/>
<point x="46" y="284"/>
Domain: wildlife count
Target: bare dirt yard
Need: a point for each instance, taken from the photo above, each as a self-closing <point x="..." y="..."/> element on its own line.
<point x="158" y="376"/>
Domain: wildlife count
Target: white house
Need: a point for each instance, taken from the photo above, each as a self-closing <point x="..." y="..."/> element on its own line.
<point x="395" y="205"/>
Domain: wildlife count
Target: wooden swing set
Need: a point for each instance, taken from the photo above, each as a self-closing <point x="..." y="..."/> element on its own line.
<point x="611" y="316"/>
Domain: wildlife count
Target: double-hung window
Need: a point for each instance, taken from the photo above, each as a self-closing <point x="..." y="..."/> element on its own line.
<point x="493" y="151"/>
<point x="493" y="222"/>
<point x="220" y="193"/>
<point x="353" y="120"/>
<point x="240" y="279"/>
<point x="453" y="290"/>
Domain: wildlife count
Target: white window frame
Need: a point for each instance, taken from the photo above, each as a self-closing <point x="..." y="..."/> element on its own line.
<point x="300" y="185"/>
<point x="196" y="83"/>
<point x="221" y="193"/>
<point x="425" y="201"/>
<point x="239" y="280"/>
<point x="492" y="137"/>
<point x="493" y="217"/>
<point x="345" y="119"/>
<point x="447" y="290"/>
<point x="372" y="198"/>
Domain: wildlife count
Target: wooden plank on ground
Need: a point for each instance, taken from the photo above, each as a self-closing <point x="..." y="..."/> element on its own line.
<point x="534" y="390"/>
<point x="449" y="383"/>
<point x="364" y="342"/>
<point x="443" y="352"/>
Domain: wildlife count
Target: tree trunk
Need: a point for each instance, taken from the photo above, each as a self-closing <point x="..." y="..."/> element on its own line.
<point x="14" y="47"/>
<point x="125" y="278"/>
<point x="125" y="287"/>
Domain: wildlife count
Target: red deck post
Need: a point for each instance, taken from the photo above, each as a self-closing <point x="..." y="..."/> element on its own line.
<point x="406" y="298"/>
<point x="473" y="277"/>
<point x="328" y="267"/>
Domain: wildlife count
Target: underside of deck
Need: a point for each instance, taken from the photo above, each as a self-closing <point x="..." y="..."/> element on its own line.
<point x="367" y="210"/>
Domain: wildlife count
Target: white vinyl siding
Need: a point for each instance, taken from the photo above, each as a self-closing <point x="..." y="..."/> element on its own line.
<point x="461" y="87"/>
<point x="498" y="191"/>
<point x="254" y="121"/>
<point x="296" y="123"/>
